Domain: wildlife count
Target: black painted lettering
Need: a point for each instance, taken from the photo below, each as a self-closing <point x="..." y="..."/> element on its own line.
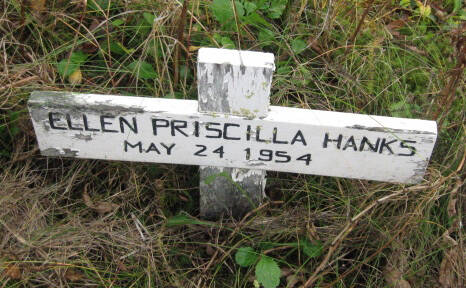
<point x="372" y="147"/>
<point x="199" y="152"/>
<point x="70" y="124"/>
<point x="258" y="134"/>
<point x="248" y="133"/>
<point x="196" y="128"/>
<point x="209" y="128"/>
<point x="159" y="123"/>
<point x="350" y="143"/>
<point x="265" y="155"/>
<point x="53" y="119"/>
<point x="152" y="147"/>
<point x="412" y="149"/>
<point x="274" y="138"/>
<point x="219" y="151"/>
<point x="103" y="123"/>
<point x="225" y="131"/>
<point x="139" y="145"/>
<point x="307" y="158"/>
<point x="299" y="137"/>
<point x="176" y="125"/>
<point x="86" y="124"/>
<point x="338" y="140"/>
<point x="168" y="148"/>
<point x="124" y="122"/>
<point x="248" y="153"/>
<point x="386" y="145"/>
<point x="282" y="154"/>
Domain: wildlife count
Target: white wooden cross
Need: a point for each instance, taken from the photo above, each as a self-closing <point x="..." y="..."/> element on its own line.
<point x="232" y="133"/>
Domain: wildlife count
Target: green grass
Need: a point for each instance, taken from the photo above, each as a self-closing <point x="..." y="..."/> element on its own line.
<point x="399" y="64"/>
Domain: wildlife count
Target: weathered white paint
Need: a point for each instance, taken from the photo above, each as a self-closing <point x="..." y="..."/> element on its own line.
<point x="236" y="83"/>
<point x="314" y="124"/>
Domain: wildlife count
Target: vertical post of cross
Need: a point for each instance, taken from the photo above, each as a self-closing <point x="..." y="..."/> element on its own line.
<point x="236" y="83"/>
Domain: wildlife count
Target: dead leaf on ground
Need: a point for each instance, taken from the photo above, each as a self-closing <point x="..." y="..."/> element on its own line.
<point x="87" y="199"/>
<point x="193" y="48"/>
<point x="99" y="207"/>
<point x="76" y="77"/>
<point x="37" y="5"/>
<point x="394" y="277"/>
<point x="73" y="275"/>
<point x="105" y="207"/>
<point x="13" y="271"/>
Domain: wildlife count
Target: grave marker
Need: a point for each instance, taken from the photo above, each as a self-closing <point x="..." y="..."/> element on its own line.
<point x="236" y="142"/>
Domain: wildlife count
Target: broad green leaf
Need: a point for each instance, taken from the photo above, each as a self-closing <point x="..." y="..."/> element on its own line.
<point x="256" y="20"/>
<point x="223" y="11"/>
<point x="118" y="22"/>
<point x="405" y="3"/>
<point x="267" y="272"/>
<point x="263" y="4"/>
<point x="65" y="67"/>
<point x="276" y="8"/>
<point x="249" y="7"/>
<point x="266" y="36"/>
<point x="117" y="48"/>
<point x="313" y="249"/>
<point x="245" y="256"/>
<point x="456" y="5"/>
<point x="284" y="68"/>
<point x="401" y="109"/>
<point x="462" y="15"/>
<point x="142" y="69"/>
<point x="239" y="9"/>
<point x="298" y="45"/>
<point x="227" y="43"/>
<point x="149" y="17"/>
<point x="68" y="66"/>
<point x="78" y="57"/>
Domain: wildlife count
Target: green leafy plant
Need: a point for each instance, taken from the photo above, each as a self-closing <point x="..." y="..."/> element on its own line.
<point x="298" y="45"/>
<point x="96" y="5"/>
<point x="245" y="256"/>
<point x="142" y="69"/>
<point x="311" y="249"/>
<point x="223" y="11"/>
<point x="267" y="270"/>
<point x="68" y="66"/>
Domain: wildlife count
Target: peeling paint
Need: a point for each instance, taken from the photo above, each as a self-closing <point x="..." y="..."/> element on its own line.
<point x="388" y="130"/>
<point x="255" y="163"/>
<point x="54" y="152"/>
<point x="66" y="100"/>
<point x="84" y="137"/>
